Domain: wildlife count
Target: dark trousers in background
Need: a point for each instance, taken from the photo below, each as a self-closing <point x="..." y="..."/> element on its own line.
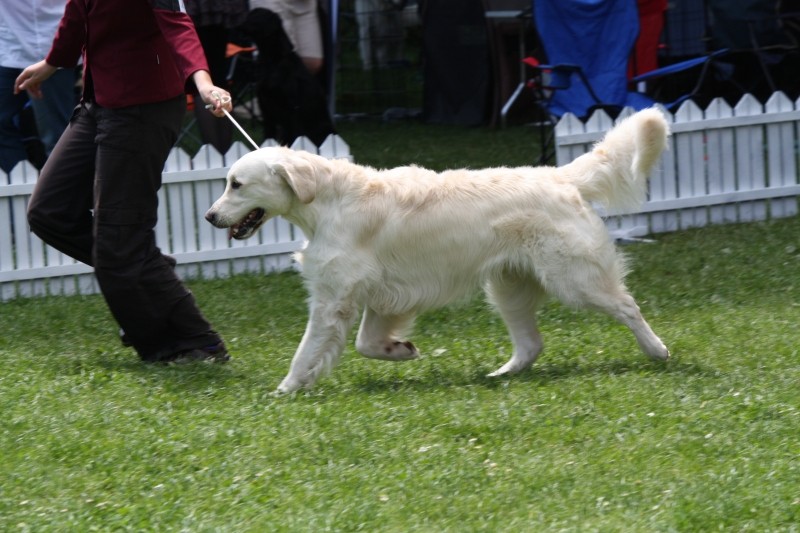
<point x="96" y="200"/>
<point x="51" y="114"/>
<point x="12" y="149"/>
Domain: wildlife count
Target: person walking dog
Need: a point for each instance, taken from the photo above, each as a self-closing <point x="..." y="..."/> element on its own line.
<point x="96" y="197"/>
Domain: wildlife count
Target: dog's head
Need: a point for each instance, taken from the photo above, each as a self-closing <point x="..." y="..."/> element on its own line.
<point x="263" y="184"/>
<point x="265" y="28"/>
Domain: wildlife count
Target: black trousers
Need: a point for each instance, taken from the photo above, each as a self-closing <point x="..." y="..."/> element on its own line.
<point x="96" y="200"/>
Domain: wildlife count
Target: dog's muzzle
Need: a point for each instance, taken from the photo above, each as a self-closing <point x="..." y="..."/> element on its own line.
<point x="242" y="229"/>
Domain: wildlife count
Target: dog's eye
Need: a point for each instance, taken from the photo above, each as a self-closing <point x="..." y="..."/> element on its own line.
<point x="235" y="185"/>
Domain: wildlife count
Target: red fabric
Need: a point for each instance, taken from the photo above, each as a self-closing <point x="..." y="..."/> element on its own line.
<point x="651" y="22"/>
<point x="531" y="61"/>
<point x="135" y="53"/>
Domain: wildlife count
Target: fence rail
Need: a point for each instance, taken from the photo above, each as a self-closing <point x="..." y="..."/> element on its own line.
<point x="28" y="267"/>
<point x="724" y="164"/>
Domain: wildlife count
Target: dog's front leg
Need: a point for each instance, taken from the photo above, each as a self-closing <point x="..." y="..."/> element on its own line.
<point x="382" y="336"/>
<point x="322" y="344"/>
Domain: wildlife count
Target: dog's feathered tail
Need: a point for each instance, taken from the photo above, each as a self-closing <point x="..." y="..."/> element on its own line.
<point x="615" y="172"/>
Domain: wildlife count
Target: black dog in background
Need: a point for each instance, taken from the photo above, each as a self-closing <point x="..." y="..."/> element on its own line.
<point x="291" y="100"/>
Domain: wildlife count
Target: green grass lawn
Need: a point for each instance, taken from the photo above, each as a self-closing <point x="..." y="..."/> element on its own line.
<point x="594" y="437"/>
<point x="439" y="147"/>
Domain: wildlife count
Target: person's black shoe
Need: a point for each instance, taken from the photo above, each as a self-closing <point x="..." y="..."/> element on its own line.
<point x="216" y="353"/>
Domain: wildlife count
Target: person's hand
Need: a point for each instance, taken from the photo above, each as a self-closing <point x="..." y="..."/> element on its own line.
<point x="32" y="77"/>
<point x="216" y="98"/>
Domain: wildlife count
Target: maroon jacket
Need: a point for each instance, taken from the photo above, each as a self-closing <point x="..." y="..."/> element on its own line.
<point x="134" y="51"/>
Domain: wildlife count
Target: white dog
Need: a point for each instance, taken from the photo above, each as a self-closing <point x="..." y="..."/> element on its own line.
<point x="401" y="241"/>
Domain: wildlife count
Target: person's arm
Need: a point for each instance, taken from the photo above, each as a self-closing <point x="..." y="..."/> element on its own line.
<point x="70" y="36"/>
<point x="31" y="78"/>
<point x="64" y="52"/>
<point x="211" y="94"/>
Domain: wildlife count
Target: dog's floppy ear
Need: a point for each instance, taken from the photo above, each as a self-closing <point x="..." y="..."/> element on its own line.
<point x="303" y="175"/>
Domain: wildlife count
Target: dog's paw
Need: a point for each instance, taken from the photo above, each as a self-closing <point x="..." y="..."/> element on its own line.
<point x="394" y="351"/>
<point x="287" y="386"/>
<point x="659" y="353"/>
<point x="499" y="372"/>
<point x="654" y="348"/>
<point x="511" y="367"/>
<point x="401" y="351"/>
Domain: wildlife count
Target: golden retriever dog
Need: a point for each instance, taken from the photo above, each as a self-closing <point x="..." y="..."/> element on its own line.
<point x="397" y="242"/>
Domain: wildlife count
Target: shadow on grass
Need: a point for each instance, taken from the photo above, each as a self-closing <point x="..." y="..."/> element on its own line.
<point x="188" y="377"/>
<point x="197" y="377"/>
<point x="538" y="374"/>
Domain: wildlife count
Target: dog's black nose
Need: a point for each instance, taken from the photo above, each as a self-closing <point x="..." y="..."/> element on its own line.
<point x="211" y="217"/>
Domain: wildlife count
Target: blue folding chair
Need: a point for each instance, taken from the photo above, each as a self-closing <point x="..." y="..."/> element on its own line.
<point x="588" y="44"/>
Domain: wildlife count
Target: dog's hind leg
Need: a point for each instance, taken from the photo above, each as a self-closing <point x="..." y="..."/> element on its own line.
<point x="623" y="308"/>
<point x="322" y="344"/>
<point x="517" y="298"/>
<point x="596" y="282"/>
<point x="379" y="336"/>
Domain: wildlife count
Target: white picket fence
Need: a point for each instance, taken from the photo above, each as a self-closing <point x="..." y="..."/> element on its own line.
<point x="28" y="267"/>
<point x="724" y="164"/>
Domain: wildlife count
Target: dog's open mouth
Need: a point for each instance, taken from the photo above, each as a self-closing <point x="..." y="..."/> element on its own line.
<point x="248" y="225"/>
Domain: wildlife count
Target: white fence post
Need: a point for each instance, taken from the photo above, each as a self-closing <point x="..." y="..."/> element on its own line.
<point x="570" y="127"/>
<point x="721" y="174"/>
<point x="750" y="171"/>
<point x="690" y="155"/>
<point x="782" y="141"/>
<point x="664" y="187"/>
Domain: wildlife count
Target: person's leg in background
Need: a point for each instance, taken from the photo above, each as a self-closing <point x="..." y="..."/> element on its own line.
<point x="54" y="110"/>
<point x="364" y="10"/>
<point x="301" y="22"/>
<point x="218" y="133"/>
<point x="306" y="34"/>
<point x="12" y="149"/>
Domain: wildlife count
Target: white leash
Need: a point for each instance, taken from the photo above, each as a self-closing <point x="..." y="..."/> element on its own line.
<point x="226" y="100"/>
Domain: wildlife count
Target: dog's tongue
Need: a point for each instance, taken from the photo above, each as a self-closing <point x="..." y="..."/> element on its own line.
<point x="231" y="232"/>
